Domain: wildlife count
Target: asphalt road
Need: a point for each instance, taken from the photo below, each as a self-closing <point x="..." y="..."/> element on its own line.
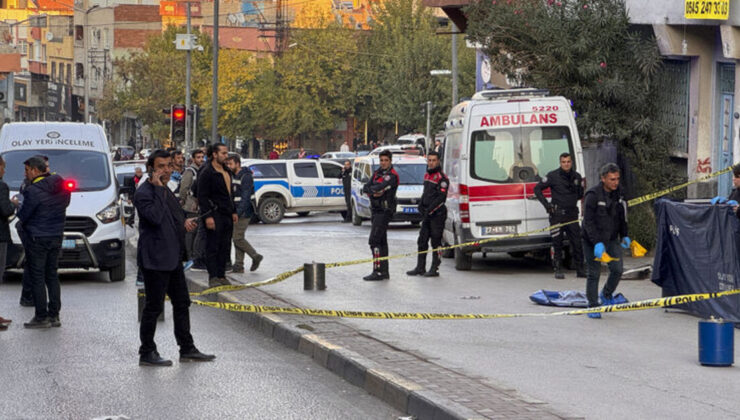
<point x="626" y="365"/>
<point x="89" y="367"/>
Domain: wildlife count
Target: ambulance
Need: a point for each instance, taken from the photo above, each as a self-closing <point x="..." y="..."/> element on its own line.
<point x="498" y="146"/>
<point x="94" y="233"/>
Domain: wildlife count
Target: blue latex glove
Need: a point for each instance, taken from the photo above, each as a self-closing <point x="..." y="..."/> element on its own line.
<point x="732" y="203"/>
<point x="626" y="241"/>
<point x="599" y="250"/>
<point x="718" y="200"/>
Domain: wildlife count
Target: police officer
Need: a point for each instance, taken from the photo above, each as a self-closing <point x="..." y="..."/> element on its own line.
<point x="382" y="191"/>
<point x="604" y="223"/>
<point x="566" y="187"/>
<point x="346" y="177"/>
<point x="432" y="208"/>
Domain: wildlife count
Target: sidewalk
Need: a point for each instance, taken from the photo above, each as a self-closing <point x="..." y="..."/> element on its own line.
<point x="405" y="379"/>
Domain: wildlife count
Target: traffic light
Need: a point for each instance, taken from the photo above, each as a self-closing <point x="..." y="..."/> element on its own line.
<point x="177" y="127"/>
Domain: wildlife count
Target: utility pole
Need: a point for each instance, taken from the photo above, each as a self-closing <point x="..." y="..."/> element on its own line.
<point x="429" y="125"/>
<point x="188" y="134"/>
<point x="85" y="66"/>
<point x="454" y="64"/>
<point x="214" y="116"/>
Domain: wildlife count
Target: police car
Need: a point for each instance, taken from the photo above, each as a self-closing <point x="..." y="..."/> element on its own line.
<point x="94" y="234"/>
<point x="410" y="169"/>
<point x="498" y="146"/>
<point x="295" y="185"/>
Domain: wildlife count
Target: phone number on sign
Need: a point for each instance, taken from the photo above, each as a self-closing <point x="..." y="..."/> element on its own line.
<point x="719" y="8"/>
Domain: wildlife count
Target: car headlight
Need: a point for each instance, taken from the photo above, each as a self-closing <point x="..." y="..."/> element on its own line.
<point x="110" y="214"/>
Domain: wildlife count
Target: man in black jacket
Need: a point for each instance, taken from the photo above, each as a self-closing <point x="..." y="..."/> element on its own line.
<point x="566" y="188"/>
<point x="42" y="215"/>
<point x="215" y="198"/>
<point x="604" y="224"/>
<point x="347" y="186"/>
<point x="382" y="191"/>
<point x="243" y="192"/>
<point x="160" y="253"/>
<point x="6" y="210"/>
<point x="432" y="208"/>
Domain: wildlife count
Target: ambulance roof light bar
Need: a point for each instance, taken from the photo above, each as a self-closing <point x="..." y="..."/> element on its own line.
<point x="511" y="93"/>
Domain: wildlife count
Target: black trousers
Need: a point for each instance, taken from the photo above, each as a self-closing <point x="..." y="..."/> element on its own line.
<point x="379" y="238"/>
<point x="218" y="246"/>
<point x="157" y="284"/>
<point x="43" y="254"/>
<point x="431" y="228"/>
<point x="348" y="203"/>
<point x="573" y="231"/>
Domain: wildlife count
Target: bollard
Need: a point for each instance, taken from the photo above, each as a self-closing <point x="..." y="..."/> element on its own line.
<point x="141" y="299"/>
<point x="716" y="342"/>
<point x="314" y="276"/>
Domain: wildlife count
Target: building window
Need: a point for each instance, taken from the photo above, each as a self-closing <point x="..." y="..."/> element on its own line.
<point x="53" y="71"/>
<point x="61" y="73"/>
<point x="79" y="33"/>
<point x="69" y="74"/>
<point x="79" y="71"/>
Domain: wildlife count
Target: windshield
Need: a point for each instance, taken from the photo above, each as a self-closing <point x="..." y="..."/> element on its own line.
<point x="88" y="169"/>
<point x="411" y="174"/>
<point x="514" y="155"/>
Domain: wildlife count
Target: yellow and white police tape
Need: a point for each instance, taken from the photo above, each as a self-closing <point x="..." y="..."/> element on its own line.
<point x="284" y="276"/>
<point x="338" y="313"/>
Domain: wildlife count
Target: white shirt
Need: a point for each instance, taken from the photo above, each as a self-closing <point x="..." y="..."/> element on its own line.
<point x="344" y="148"/>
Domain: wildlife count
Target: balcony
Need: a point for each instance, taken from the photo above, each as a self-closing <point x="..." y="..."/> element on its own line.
<point x="37" y="67"/>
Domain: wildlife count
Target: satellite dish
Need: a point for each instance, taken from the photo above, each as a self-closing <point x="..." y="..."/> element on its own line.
<point x="49" y="36"/>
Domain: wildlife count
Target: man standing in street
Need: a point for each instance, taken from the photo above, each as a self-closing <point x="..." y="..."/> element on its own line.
<point x="347" y="186"/>
<point x="161" y="250"/>
<point x="434" y="212"/>
<point x="217" y="208"/>
<point x="604" y="223"/>
<point x="6" y="210"/>
<point x="178" y="166"/>
<point x="344" y="147"/>
<point x="566" y="188"/>
<point x="243" y="192"/>
<point x="42" y="215"/>
<point x="382" y="191"/>
<point x="190" y="204"/>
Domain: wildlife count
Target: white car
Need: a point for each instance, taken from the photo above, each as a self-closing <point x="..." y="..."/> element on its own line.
<point x="338" y="155"/>
<point x="296" y="185"/>
<point x="399" y="149"/>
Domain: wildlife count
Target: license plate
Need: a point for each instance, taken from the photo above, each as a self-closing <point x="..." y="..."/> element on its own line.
<point x="410" y="210"/>
<point x="499" y="230"/>
<point x="68" y="244"/>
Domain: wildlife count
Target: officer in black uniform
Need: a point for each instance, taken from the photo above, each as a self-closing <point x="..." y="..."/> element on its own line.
<point x="432" y="208"/>
<point x="566" y="187"/>
<point x="382" y="191"/>
<point x="346" y="177"/>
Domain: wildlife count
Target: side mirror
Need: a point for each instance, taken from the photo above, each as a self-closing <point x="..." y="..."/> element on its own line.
<point x="129" y="187"/>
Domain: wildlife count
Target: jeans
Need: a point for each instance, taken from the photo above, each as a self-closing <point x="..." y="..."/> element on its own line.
<point x="218" y="246"/>
<point x="240" y="243"/>
<point x="431" y="228"/>
<point x="156" y="285"/>
<point x="594" y="271"/>
<point x="43" y="253"/>
<point x="3" y="259"/>
<point x="573" y="231"/>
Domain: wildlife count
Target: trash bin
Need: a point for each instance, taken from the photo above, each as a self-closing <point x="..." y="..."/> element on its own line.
<point x="314" y="276"/>
<point x="716" y="342"/>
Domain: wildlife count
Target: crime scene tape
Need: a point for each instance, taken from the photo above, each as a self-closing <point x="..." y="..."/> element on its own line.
<point x="334" y="313"/>
<point x="286" y="275"/>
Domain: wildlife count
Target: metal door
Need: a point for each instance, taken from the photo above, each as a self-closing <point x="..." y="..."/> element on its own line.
<point x="725" y="144"/>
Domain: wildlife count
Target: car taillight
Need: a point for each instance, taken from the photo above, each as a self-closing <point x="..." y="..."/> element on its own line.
<point x="70" y="185"/>
<point x="464" y="204"/>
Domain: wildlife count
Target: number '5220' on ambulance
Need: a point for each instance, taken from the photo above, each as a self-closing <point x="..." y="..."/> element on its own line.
<point x="94" y="235"/>
<point x="498" y="146"/>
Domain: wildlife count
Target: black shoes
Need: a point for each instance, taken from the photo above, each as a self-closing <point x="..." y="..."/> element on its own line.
<point x="416" y="272"/>
<point x="376" y="276"/>
<point x="256" y="262"/>
<point x="37" y="323"/>
<point x="559" y="275"/>
<point x="27" y="302"/>
<point x="55" y="322"/>
<point x="195" y="355"/>
<point x="153" y="359"/>
<point x="237" y="269"/>
<point x="432" y="273"/>
<point x="218" y="281"/>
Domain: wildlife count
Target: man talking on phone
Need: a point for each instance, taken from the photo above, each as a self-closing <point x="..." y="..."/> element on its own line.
<point x="161" y="251"/>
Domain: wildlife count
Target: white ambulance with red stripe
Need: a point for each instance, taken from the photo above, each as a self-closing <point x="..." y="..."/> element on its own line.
<point x="498" y="145"/>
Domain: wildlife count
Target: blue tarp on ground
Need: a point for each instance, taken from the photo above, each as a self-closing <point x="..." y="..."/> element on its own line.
<point x="698" y="251"/>
<point x="568" y="298"/>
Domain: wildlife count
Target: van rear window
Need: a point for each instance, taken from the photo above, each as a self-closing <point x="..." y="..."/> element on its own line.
<point x="409" y="174"/>
<point x="518" y="154"/>
<point x="269" y="170"/>
<point x="88" y="169"/>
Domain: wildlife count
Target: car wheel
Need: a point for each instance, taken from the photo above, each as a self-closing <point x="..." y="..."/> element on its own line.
<point x="463" y="260"/>
<point x="303" y="213"/>
<point x="356" y="219"/>
<point x="271" y="210"/>
<point x="118" y="273"/>
<point x="447" y="253"/>
<point x="518" y="254"/>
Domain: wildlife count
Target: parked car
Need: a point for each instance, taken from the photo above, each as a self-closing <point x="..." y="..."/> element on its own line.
<point x="398" y="149"/>
<point x="123" y="153"/>
<point x="123" y="170"/>
<point x="293" y="154"/>
<point x="410" y="169"/>
<point x="338" y="155"/>
<point x="295" y="185"/>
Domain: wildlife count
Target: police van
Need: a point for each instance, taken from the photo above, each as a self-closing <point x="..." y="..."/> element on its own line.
<point x="498" y="146"/>
<point x="410" y="169"/>
<point x="94" y="235"/>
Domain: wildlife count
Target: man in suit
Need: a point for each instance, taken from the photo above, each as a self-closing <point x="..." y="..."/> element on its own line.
<point x="6" y="210"/>
<point x="161" y="251"/>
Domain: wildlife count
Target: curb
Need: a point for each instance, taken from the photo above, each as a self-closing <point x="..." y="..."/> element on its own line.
<point x="400" y="393"/>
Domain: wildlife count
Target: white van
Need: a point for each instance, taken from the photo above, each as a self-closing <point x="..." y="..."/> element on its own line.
<point x="498" y="146"/>
<point x="94" y="235"/>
